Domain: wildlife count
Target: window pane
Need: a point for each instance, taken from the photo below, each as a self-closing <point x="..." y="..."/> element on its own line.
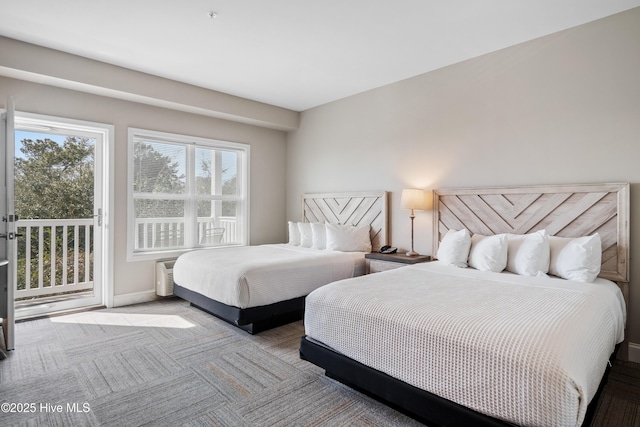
<point x="210" y="231"/>
<point x="146" y="208"/>
<point x="216" y="171"/>
<point x="206" y="209"/>
<point x="159" y="168"/>
<point x="229" y="209"/>
<point x="230" y="221"/>
<point x="218" y="222"/>
<point x="159" y="224"/>
<point x="205" y="171"/>
<point x="177" y="184"/>
<point x="229" y="172"/>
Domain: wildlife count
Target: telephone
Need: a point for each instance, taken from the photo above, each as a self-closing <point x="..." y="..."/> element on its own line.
<point x="386" y="249"/>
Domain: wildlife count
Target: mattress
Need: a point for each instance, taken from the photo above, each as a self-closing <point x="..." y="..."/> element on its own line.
<point x="252" y="276"/>
<point x="527" y="350"/>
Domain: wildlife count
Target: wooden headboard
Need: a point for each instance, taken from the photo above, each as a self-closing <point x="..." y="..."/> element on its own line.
<point x="561" y="210"/>
<point x="358" y="208"/>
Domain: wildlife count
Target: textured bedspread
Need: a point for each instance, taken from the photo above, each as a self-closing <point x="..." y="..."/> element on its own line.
<point x="530" y="351"/>
<point x="251" y="276"/>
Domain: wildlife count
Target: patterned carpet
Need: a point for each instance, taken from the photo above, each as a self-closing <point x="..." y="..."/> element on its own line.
<point x="166" y="363"/>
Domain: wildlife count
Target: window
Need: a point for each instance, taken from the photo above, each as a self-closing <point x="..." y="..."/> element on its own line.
<point x="185" y="192"/>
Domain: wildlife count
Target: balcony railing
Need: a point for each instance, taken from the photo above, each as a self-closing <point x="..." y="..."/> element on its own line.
<point x="55" y="256"/>
<point x="167" y="233"/>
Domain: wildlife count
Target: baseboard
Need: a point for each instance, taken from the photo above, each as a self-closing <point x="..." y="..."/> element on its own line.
<point x="134" y="298"/>
<point x="634" y="352"/>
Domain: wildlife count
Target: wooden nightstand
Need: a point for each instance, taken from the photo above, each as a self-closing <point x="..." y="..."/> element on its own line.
<point x="377" y="262"/>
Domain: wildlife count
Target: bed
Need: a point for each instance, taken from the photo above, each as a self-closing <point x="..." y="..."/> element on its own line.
<point x="260" y="287"/>
<point x="460" y="346"/>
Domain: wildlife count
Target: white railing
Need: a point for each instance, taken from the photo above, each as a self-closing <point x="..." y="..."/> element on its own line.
<point x="154" y="233"/>
<point x="54" y="256"/>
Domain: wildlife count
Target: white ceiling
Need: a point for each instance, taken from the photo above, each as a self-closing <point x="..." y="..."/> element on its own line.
<point x="295" y="54"/>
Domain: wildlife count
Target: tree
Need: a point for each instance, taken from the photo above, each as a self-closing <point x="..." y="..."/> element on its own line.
<point x="203" y="186"/>
<point x="155" y="172"/>
<point x="53" y="180"/>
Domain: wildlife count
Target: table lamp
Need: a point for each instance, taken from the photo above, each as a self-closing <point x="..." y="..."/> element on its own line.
<point x="413" y="199"/>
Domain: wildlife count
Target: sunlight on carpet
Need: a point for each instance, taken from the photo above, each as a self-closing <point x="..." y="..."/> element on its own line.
<point x="126" y="319"/>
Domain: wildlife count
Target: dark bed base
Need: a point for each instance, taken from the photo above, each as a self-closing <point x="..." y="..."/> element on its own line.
<point x="253" y="319"/>
<point x="412" y="401"/>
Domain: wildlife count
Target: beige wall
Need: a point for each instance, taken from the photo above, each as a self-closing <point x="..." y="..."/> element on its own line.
<point x="561" y="109"/>
<point x="268" y="153"/>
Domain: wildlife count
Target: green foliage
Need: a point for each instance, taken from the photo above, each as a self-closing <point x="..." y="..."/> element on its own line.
<point x="155" y="172"/>
<point x="55" y="181"/>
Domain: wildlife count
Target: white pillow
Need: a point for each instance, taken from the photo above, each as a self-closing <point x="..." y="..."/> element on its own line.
<point x="454" y="248"/>
<point x="528" y="253"/>
<point x="306" y="236"/>
<point x="319" y="235"/>
<point x="348" y="238"/>
<point x="294" y="234"/>
<point x="488" y="253"/>
<point x="576" y="259"/>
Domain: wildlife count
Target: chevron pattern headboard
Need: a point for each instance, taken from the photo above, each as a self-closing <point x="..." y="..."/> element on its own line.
<point x="562" y="210"/>
<point x="359" y="208"/>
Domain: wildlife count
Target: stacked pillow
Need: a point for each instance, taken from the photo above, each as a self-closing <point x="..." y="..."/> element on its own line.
<point x="334" y="237"/>
<point x="531" y="254"/>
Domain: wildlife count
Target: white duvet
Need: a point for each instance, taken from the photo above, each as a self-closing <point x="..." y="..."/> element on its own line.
<point x="527" y="350"/>
<point x="251" y="276"/>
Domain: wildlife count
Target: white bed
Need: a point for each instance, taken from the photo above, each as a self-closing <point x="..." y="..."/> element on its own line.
<point x="527" y="342"/>
<point x="458" y="346"/>
<point x="259" y="287"/>
<point x="251" y="276"/>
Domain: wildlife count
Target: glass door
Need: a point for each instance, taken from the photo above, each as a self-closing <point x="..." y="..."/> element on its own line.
<point x="58" y="202"/>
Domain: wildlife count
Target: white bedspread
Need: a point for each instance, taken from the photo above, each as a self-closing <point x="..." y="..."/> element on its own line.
<point x="527" y="350"/>
<point x="251" y="276"/>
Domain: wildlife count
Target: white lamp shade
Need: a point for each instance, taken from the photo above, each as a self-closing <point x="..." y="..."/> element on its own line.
<point x="413" y="198"/>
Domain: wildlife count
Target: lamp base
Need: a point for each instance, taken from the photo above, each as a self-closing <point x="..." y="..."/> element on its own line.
<point x="412" y="253"/>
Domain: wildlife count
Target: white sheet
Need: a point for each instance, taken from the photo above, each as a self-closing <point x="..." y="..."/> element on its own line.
<point x="251" y="276"/>
<point x="527" y="350"/>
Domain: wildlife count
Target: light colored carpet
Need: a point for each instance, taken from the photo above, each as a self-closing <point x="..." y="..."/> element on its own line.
<point x="166" y="363"/>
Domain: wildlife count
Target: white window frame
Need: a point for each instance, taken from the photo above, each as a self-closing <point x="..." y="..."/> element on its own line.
<point x="191" y="143"/>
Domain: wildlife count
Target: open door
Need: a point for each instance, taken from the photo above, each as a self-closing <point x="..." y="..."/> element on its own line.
<point x="7" y="226"/>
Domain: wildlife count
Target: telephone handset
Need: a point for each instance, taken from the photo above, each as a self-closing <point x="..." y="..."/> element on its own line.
<point x="386" y="249"/>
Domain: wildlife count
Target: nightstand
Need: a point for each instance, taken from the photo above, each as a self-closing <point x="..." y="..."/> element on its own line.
<point x="377" y="262"/>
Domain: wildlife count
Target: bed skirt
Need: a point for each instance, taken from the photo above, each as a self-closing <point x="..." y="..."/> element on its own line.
<point x="252" y="319"/>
